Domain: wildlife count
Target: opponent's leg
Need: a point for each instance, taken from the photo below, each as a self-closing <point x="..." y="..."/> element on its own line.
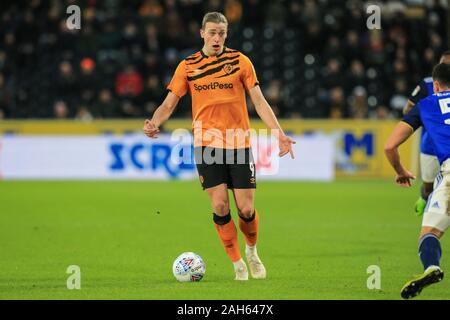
<point x="435" y="222"/>
<point x="430" y="255"/>
<point x="429" y="168"/>
<point x="430" y="247"/>
<point x="425" y="191"/>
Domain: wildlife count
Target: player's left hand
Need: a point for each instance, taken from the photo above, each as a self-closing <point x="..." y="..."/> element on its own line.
<point x="285" y="144"/>
<point x="404" y="178"/>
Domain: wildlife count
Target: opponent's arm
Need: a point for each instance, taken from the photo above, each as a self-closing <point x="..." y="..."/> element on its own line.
<point x="419" y="93"/>
<point x="266" y="114"/>
<point x="161" y="114"/>
<point x="400" y="134"/>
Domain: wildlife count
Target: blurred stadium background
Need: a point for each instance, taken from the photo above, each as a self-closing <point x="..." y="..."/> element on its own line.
<point x="315" y="59"/>
<point x="72" y="104"/>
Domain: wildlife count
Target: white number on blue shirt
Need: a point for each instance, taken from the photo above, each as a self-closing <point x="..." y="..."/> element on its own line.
<point x="444" y="104"/>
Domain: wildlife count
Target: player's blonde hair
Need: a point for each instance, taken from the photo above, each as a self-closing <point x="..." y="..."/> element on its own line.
<point x="215" y="17"/>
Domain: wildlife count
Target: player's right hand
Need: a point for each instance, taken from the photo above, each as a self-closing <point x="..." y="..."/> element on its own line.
<point x="404" y="178"/>
<point x="150" y="129"/>
<point x="285" y="144"/>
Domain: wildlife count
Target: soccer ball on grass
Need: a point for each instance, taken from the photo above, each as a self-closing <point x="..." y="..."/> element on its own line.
<point x="189" y="267"/>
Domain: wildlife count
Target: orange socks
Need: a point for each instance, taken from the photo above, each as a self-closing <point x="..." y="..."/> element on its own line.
<point x="226" y="229"/>
<point x="228" y="235"/>
<point x="249" y="228"/>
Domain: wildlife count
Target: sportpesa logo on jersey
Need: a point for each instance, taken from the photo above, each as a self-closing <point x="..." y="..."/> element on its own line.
<point x="213" y="86"/>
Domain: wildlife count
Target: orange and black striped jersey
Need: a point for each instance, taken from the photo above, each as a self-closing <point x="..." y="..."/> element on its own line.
<point x="217" y="85"/>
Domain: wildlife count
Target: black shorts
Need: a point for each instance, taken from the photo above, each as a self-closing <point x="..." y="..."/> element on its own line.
<point x="216" y="166"/>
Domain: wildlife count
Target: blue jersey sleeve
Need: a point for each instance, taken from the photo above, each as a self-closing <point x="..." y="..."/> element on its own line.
<point x="419" y="93"/>
<point x="413" y="117"/>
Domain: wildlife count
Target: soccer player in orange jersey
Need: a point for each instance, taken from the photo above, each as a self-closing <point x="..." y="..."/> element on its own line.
<point x="217" y="79"/>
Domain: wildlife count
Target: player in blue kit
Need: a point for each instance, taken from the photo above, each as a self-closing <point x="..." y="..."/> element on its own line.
<point x="433" y="113"/>
<point x="429" y="165"/>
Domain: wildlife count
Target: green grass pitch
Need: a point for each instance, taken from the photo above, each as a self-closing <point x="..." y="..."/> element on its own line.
<point x="316" y="239"/>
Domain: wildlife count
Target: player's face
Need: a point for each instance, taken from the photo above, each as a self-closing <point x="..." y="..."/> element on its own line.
<point x="214" y="36"/>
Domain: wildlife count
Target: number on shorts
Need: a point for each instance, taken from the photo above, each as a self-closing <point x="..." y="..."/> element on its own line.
<point x="252" y="168"/>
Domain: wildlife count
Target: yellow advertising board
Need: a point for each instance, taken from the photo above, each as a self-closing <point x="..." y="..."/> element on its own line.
<point x="360" y="146"/>
<point x="359" y="143"/>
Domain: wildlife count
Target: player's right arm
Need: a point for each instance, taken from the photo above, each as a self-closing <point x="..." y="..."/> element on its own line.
<point x="161" y="115"/>
<point x="177" y="87"/>
<point x="401" y="133"/>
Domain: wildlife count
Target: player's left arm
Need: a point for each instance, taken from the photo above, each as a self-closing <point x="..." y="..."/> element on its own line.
<point x="266" y="114"/>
